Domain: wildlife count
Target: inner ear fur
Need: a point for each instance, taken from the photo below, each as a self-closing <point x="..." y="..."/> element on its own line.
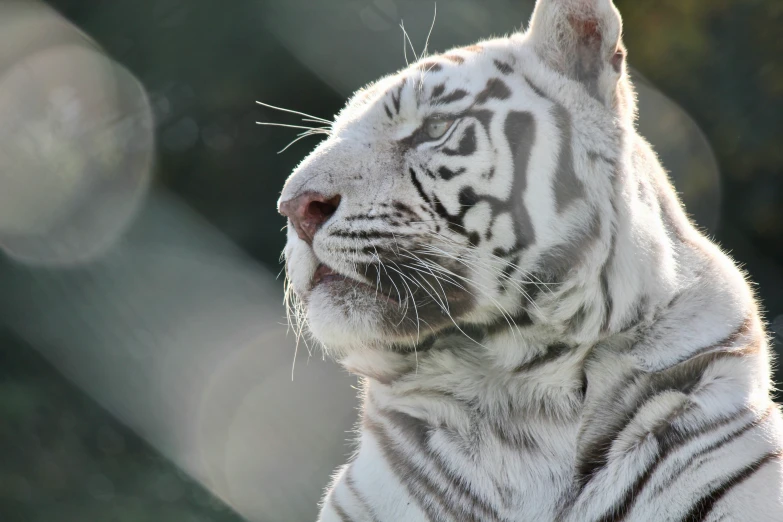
<point x="580" y="39"/>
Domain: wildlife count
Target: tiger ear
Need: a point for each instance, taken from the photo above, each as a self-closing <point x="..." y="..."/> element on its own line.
<point x="580" y="39"/>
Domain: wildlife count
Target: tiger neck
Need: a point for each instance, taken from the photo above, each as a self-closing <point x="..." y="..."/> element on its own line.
<point x="652" y="276"/>
<point x="487" y="374"/>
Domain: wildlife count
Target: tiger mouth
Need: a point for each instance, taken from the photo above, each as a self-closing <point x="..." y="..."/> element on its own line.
<point x="325" y="275"/>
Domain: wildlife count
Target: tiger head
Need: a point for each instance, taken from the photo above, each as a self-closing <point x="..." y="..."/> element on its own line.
<point x="473" y="189"/>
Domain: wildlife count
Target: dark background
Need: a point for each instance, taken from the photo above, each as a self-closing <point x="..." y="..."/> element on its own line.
<point x="205" y="62"/>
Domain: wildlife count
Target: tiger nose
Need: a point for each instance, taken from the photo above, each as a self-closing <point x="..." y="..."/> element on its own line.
<point x="308" y="212"/>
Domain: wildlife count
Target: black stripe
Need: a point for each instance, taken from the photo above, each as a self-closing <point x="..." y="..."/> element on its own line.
<point x="358" y="495"/>
<point x="453" y="96"/>
<point x="438" y="90"/>
<point x="467" y="143"/>
<point x="520" y="131"/>
<point x="419" y="486"/>
<point x="536" y="89"/>
<point x="454" y="222"/>
<point x="419" y="188"/>
<point x="556" y="262"/>
<point x="362" y="234"/>
<point x="514" y="435"/>
<point x="364" y="217"/>
<point x="468" y="198"/>
<point x="668" y="441"/>
<point x="506" y="253"/>
<point x="484" y="116"/>
<point x="396" y="97"/>
<point x="714" y="447"/>
<point x="422" y="346"/>
<point x="551" y="353"/>
<point x="446" y="173"/>
<point x="594" y="457"/>
<point x="568" y="186"/>
<point x="521" y="319"/>
<point x="743" y="329"/>
<point x="388" y="111"/>
<point x="429" y="66"/>
<point x="339" y="510"/>
<point x="704" y="505"/>
<point x="503" y="67"/>
<point x="402" y="207"/>
<point x="508" y="270"/>
<point x="419" y="432"/>
<point x="496" y="89"/>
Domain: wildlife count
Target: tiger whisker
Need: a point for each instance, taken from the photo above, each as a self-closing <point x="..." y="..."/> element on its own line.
<point x="316" y="118"/>
<point x="444" y="306"/>
<point x="467" y="248"/>
<point x="397" y="245"/>
<point x="422" y="263"/>
<point x="459" y="328"/>
<point x="296" y="318"/>
<point x="506" y="315"/>
<point x="443" y="303"/>
<point x="424" y="53"/>
<point x="318" y="121"/>
<point x="437" y="279"/>
<point x="408" y="39"/>
<point x="474" y="283"/>
<point x="418" y="330"/>
<point x="517" y="286"/>
<point x="399" y="296"/>
<point x="479" y="263"/>
<point x="301" y="136"/>
<point x="432" y="26"/>
<point x="323" y="130"/>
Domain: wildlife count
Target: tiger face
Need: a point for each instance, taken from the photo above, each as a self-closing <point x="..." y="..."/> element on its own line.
<point x="468" y="189"/>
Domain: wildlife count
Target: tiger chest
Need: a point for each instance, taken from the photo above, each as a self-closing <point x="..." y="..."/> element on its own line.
<point x="491" y="469"/>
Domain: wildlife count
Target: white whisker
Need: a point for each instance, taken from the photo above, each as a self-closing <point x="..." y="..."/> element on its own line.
<point x="408" y="39"/>
<point x="432" y="26"/>
<point x="506" y="315"/>
<point x="323" y="130"/>
<point x="301" y="137"/>
<point x="320" y="120"/>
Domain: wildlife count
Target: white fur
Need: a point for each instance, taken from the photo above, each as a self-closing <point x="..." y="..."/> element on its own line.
<point x="652" y="297"/>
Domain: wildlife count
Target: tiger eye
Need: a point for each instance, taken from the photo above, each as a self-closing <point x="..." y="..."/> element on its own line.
<point x="436" y="127"/>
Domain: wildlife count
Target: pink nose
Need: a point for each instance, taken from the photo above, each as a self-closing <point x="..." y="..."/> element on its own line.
<point x="308" y="212"/>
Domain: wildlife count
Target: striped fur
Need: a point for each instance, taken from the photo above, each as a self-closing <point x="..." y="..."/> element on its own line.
<point x="543" y="334"/>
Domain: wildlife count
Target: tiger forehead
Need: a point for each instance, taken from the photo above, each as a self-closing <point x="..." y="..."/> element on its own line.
<point x="431" y="79"/>
<point x="447" y="82"/>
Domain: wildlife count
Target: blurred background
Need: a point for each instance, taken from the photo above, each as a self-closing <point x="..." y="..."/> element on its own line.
<point x="145" y="370"/>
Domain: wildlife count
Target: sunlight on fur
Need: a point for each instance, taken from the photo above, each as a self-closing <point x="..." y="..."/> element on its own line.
<point x="542" y="332"/>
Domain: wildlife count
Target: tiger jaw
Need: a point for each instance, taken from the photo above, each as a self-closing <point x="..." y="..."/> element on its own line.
<point x="338" y="284"/>
<point x="348" y="312"/>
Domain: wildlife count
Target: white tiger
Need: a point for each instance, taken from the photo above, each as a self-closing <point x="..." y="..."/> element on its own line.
<point x="543" y="334"/>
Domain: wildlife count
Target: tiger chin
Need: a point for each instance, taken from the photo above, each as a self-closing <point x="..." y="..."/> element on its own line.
<point x="543" y="334"/>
